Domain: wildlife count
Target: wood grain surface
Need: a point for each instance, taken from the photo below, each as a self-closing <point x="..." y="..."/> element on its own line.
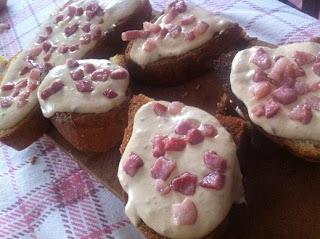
<point x="282" y="191"/>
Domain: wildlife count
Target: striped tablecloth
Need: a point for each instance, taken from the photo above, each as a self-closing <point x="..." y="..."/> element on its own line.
<point x="52" y="197"/>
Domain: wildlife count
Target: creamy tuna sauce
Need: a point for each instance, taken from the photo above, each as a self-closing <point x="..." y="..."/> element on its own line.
<point x="95" y="91"/>
<point x="199" y="26"/>
<point x="205" y="208"/>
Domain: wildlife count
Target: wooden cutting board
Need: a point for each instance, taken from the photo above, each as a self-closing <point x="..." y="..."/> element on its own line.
<point x="282" y="191"/>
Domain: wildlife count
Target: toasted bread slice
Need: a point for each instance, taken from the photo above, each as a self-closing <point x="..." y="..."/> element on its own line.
<point x="173" y="70"/>
<point x="236" y="127"/>
<point x="306" y="149"/>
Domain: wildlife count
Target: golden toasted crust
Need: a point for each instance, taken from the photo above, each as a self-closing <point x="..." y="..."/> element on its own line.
<point x="173" y="70"/>
<point x="236" y="127"/>
<point x="92" y="132"/>
<point x="34" y="125"/>
<point x="306" y="149"/>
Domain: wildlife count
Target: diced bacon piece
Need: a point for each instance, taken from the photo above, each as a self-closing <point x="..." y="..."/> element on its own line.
<point x="149" y="45"/>
<point x="200" y="28"/>
<point x="183" y="127"/>
<point x="214" y="180"/>
<point x="68" y="31"/>
<point x="93" y="9"/>
<point x="84" y="86"/>
<point x="6" y="102"/>
<point x="262" y="59"/>
<point x="277" y="71"/>
<point x="163" y="33"/>
<point x="301" y="87"/>
<point x="298" y="70"/>
<point x="42" y="39"/>
<point x="132" y="165"/>
<point x="86" y="27"/>
<point x="316" y="68"/>
<point x="162" y="187"/>
<point x="185" y="183"/>
<point x="48" y="30"/>
<point x="73" y="48"/>
<point x="301" y="113"/>
<point x="33" y="85"/>
<point x="119" y="74"/>
<point x="151" y="27"/>
<point x="159" y="109"/>
<point x="194" y="136"/>
<point x="100" y="75"/>
<point x="35" y="74"/>
<point x="24" y="70"/>
<point x="258" y="110"/>
<point x="271" y="108"/>
<point x="21" y="84"/>
<point x="63" y="49"/>
<point x="158" y="149"/>
<point x="314" y="103"/>
<point x="7" y="87"/>
<point x="110" y="94"/>
<point x="77" y="75"/>
<point x="180" y="6"/>
<point x="208" y="130"/>
<point x="175" y="31"/>
<point x="55" y="87"/>
<point x="261" y="89"/>
<point x="71" y="63"/>
<point x="96" y="33"/>
<point x="162" y="168"/>
<point x="175" y="107"/>
<point x="214" y="161"/>
<point x="260" y="75"/>
<point x="189" y="36"/>
<point x="289" y="76"/>
<point x="59" y="18"/>
<point x="185" y="213"/>
<point x="171" y="14"/>
<point x="23" y="99"/>
<point x="48" y="66"/>
<point x="303" y="58"/>
<point x="89" y="68"/>
<point x="35" y="52"/>
<point x="85" y="39"/>
<point x="71" y="11"/>
<point x="15" y="93"/>
<point x="188" y="20"/>
<point x="284" y="95"/>
<point x="134" y="34"/>
<point x="174" y="144"/>
<point x="79" y="11"/>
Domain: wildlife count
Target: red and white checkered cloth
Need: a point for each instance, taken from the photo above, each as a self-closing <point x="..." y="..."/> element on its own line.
<point x="54" y="198"/>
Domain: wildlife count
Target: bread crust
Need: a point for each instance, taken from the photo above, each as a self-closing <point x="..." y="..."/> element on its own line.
<point x="235" y="126"/>
<point x="307" y="149"/>
<point x="92" y="132"/>
<point x="35" y="125"/>
<point x="173" y="70"/>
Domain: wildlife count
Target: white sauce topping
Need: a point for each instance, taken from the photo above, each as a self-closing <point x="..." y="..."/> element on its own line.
<point x="114" y="12"/>
<point x="280" y="125"/>
<point x="147" y="204"/>
<point x="69" y="99"/>
<point x="170" y="46"/>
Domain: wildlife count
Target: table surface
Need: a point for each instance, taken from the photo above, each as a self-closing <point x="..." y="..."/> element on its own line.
<point x="52" y="197"/>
